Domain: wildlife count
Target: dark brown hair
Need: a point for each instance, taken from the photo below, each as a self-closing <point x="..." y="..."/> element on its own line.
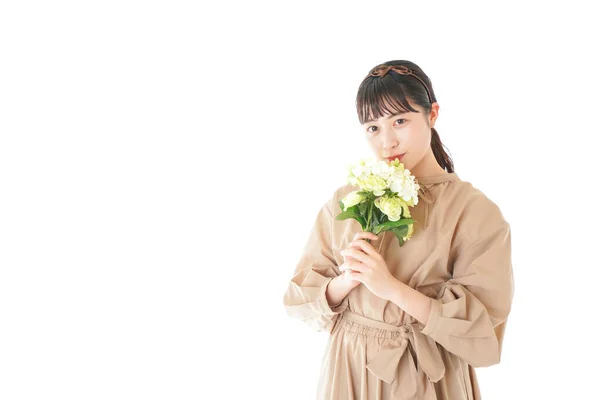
<point x="375" y="93"/>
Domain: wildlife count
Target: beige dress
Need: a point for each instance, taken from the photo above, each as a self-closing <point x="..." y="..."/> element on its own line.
<point x="459" y="256"/>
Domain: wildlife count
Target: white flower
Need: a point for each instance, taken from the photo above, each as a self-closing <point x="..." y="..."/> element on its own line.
<point x="378" y="175"/>
<point x="382" y="169"/>
<point x="403" y="183"/>
<point x="370" y="175"/>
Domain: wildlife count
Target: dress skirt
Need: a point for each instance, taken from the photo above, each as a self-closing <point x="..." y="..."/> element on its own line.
<point x="367" y="359"/>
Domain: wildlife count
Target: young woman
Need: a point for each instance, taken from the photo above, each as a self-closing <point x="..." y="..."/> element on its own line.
<point x="411" y="321"/>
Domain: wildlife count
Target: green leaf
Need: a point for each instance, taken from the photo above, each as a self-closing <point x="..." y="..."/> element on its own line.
<point x="400" y="222"/>
<point x="362" y="207"/>
<point x="345" y="215"/>
<point x="378" y="229"/>
<point x="352" y="212"/>
<point x="363" y="222"/>
<point x="376" y="215"/>
<point x="400" y="233"/>
<point x="401" y="230"/>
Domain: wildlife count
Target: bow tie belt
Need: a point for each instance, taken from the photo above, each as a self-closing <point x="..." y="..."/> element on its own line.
<point x="394" y="364"/>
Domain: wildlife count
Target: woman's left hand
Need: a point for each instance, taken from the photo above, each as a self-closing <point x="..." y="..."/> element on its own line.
<point x="369" y="267"/>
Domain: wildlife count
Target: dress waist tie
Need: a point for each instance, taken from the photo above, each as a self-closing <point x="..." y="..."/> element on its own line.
<point x="395" y="365"/>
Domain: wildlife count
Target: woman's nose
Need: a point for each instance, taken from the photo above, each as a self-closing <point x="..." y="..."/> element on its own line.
<point x="389" y="139"/>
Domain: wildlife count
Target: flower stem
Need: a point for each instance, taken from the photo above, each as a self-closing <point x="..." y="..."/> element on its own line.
<point x="369" y="220"/>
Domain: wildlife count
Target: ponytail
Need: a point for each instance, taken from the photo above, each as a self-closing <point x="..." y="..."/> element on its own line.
<point x="440" y="154"/>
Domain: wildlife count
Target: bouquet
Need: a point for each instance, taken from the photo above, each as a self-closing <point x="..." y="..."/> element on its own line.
<point x="387" y="190"/>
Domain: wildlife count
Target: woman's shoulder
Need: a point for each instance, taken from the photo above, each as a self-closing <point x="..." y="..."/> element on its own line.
<point x="478" y="214"/>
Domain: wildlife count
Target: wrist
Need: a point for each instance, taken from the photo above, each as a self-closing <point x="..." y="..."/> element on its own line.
<point x="397" y="290"/>
<point x="337" y="289"/>
<point x="346" y="282"/>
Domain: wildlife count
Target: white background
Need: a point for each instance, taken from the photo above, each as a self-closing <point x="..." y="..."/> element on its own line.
<point x="161" y="164"/>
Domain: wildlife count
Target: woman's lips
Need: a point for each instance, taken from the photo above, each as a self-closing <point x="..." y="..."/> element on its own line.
<point x="394" y="157"/>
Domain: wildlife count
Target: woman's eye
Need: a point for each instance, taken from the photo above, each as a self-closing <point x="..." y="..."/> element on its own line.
<point x="399" y="119"/>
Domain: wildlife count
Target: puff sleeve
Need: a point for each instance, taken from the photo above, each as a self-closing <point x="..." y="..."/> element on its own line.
<point x="305" y="297"/>
<point x="468" y="317"/>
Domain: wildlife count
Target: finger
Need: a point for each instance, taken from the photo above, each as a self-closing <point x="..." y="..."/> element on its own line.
<point x="365" y="235"/>
<point x="366" y="248"/>
<point x="353" y="266"/>
<point x="348" y="258"/>
<point x="355" y="276"/>
<point x="356" y="253"/>
<point x="347" y="273"/>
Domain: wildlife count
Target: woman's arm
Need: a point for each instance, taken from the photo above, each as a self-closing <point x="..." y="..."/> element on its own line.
<point x="468" y="316"/>
<point x="338" y="289"/>
<point x="305" y="297"/>
<point x="413" y="302"/>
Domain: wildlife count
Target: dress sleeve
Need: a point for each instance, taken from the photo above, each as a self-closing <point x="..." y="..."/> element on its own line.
<point x="468" y="317"/>
<point x="305" y="295"/>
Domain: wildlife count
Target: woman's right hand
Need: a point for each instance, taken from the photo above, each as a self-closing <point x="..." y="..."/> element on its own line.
<point x="345" y="276"/>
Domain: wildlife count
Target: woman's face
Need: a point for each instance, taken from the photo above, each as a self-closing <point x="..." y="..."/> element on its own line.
<point x="406" y="133"/>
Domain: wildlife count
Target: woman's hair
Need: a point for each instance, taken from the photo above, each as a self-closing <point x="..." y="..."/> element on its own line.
<point x="375" y="93"/>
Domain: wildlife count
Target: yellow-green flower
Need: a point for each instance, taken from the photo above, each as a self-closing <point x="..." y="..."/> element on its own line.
<point x="370" y="175"/>
<point x="352" y="199"/>
<point x="411" y="229"/>
<point x="390" y="206"/>
<point x="406" y="210"/>
<point x="373" y="183"/>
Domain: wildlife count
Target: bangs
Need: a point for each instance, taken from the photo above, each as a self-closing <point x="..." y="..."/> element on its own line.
<point x="381" y="97"/>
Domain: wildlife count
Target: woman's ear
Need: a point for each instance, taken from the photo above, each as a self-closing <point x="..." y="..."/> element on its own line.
<point x="435" y="109"/>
